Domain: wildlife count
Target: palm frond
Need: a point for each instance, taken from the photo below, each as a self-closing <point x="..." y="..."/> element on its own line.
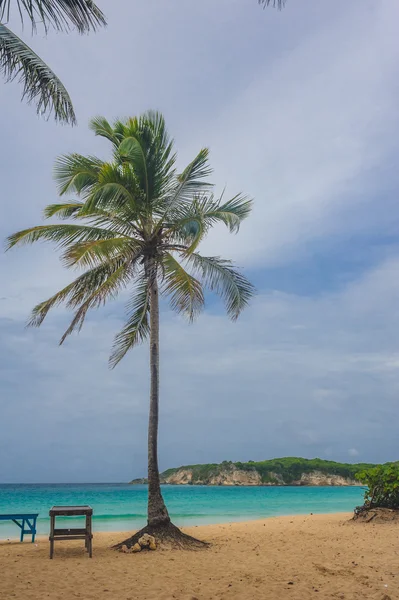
<point x="160" y="156"/>
<point x="184" y="187"/>
<point x="231" y="213"/>
<point x="147" y="147"/>
<point x="103" y="219"/>
<point x="66" y="210"/>
<point x="62" y="234"/>
<point x="130" y="149"/>
<point x="185" y="291"/>
<point x="41" y="310"/>
<point x="80" y="290"/>
<point x="117" y="221"/>
<point x="275" y="3"/>
<point x="155" y="122"/>
<point x="107" y="290"/>
<point x="76" y="173"/>
<point x="101" y="127"/>
<point x="188" y="226"/>
<point x="220" y="276"/>
<point x="190" y="181"/>
<point x="95" y="279"/>
<point x="137" y="328"/>
<point x="116" y="188"/>
<point x="93" y="253"/>
<point x="192" y="221"/>
<point x="40" y="84"/>
<point x="84" y="15"/>
<point x="210" y="212"/>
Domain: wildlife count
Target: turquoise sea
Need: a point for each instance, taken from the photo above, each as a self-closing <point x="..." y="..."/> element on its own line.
<point x="119" y="507"/>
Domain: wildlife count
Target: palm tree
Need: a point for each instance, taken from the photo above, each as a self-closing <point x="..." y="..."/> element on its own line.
<point x="143" y="223"/>
<point x="17" y="60"/>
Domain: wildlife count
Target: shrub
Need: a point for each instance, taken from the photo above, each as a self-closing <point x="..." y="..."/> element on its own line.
<point x="382" y="486"/>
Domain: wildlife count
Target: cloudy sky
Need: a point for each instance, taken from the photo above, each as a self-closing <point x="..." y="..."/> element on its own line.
<point x="300" y="110"/>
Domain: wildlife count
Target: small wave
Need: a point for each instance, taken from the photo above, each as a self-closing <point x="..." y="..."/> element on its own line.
<point x="96" y="517"/>
<point x="120" y="516"/>
<point x="127" y="516"/>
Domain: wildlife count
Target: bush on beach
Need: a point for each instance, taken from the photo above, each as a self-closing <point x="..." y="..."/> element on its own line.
<point x="382" y="487"/>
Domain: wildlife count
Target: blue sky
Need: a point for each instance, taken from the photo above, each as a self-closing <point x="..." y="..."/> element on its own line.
<point x="300" y="110"/>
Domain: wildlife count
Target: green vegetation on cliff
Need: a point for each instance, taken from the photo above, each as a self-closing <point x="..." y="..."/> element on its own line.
<point x="276" y="470"/>
<point x="289" y="468"/>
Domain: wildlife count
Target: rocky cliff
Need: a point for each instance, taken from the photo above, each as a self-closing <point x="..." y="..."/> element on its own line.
<point x="282" y="471"/>
<point x="240" y="477"/>
<point x="227" y="477"/>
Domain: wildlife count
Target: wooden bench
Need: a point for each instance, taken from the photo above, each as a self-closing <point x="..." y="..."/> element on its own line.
<point x="23" y="520"/>
<point x="81" y="533"/>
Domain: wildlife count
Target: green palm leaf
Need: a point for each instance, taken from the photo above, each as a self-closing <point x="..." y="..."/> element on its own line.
<point x="80" y="290"/>
<point x="84" y="15"/>
<point x="97" y="252"/>
<point x="117" y="222"/>
<point x="65" y="210"/>
<point x="191" y="181"/>
<point x="137" y="328"/>
<point x="101" y="127"/>
<point x="97" y="218"/>
<point x="107" y="290"/>
<point x="63" y="235"/>
<point x="185" y="291"/>
<point x="192" y="222"/>
<point x="220" y="276"/>
<point x="231" y="213"/>
<point x="116" y="188"/>
<point x="131" y="150"/>
<point x="76" y="173"/>
<point x="40" y="84"/>
<point x="275" y="3"/>
<point x="148" y="149"/>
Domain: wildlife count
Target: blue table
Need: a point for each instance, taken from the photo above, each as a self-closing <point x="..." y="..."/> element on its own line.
<point x="23" y="520"/>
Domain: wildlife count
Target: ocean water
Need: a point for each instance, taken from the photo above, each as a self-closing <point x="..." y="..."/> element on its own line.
<point x="122" y="507"/>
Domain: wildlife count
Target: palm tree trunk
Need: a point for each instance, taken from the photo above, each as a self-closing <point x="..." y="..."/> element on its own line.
<point x="159" y="523"/>
<point x="157" y="511"/>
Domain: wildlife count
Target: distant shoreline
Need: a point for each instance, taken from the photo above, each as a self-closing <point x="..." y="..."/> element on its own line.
<point x="285" y="471"/>
<point x="259" y="485"/>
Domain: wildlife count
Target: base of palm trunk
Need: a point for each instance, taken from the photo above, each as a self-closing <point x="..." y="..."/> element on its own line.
<point x="166" y="535"/>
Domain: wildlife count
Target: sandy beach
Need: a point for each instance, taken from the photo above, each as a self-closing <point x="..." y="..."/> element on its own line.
<point x="301" y="557"/>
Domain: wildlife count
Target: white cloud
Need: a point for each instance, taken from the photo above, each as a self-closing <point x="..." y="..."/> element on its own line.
<point x="257" y="388"/>
<point x="304" y="136"/>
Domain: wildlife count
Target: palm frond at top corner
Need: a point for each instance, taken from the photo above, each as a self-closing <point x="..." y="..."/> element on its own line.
<point x="62" y="15"/>
<point x="274" y="3"/>
<point x="40" y="84"/>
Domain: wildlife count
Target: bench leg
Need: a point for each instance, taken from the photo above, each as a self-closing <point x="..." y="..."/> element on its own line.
<point x="52" y="524"/>
<point x="31" y="523"/>
<point x="21" y="539"/>
<point x="89" y="536"/>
